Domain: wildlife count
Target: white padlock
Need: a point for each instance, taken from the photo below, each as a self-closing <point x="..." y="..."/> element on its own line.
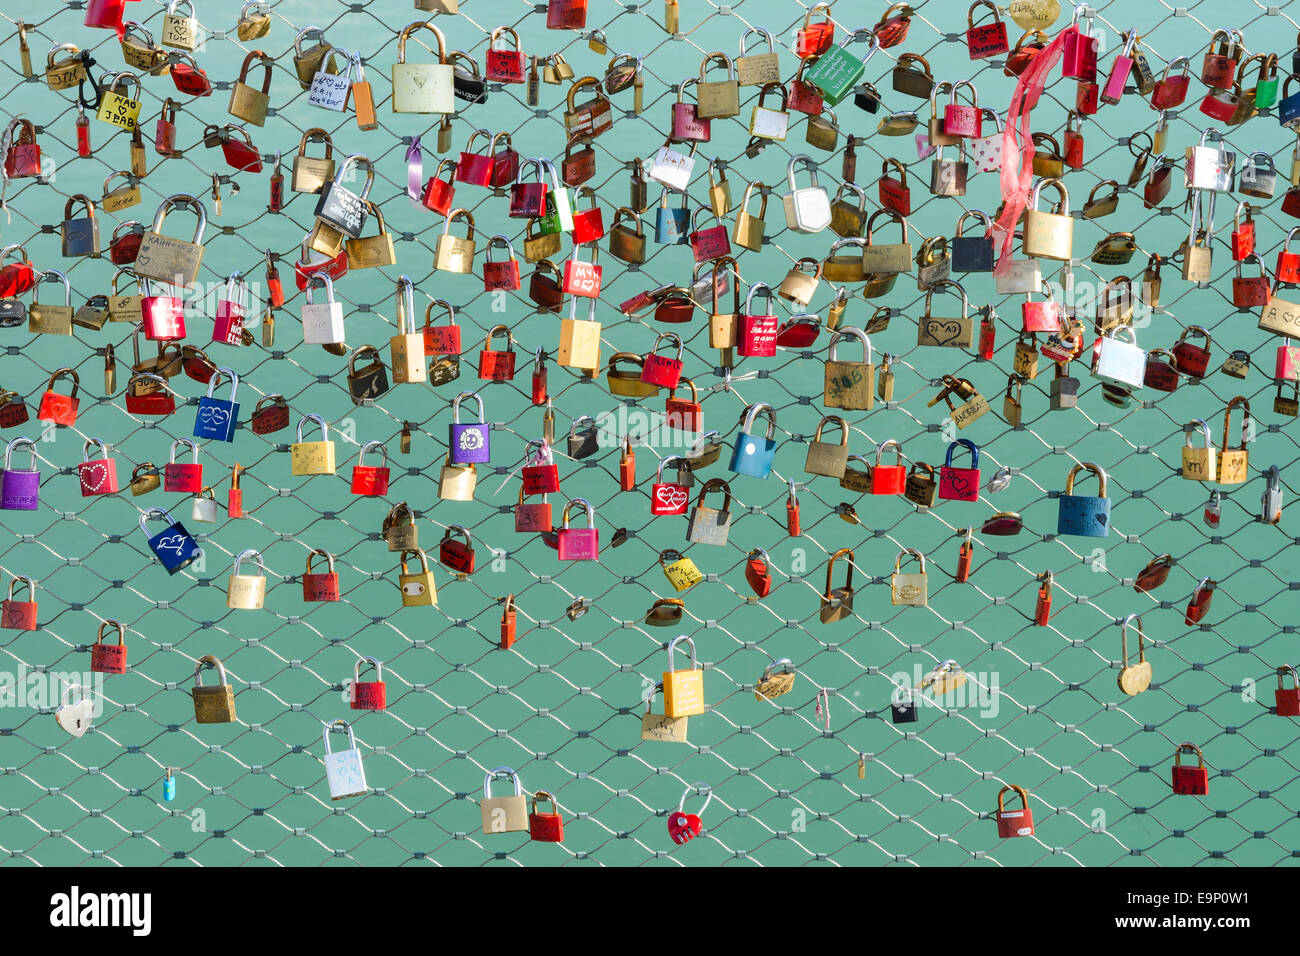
<point x="322" y="322"/>
<point x="672" y="168"/>
<point x="343" y="770"/>
<point x="807" y="209"/>
<point x="1120" y="362"/>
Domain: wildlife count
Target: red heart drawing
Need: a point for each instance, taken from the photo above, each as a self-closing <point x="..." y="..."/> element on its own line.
<point x="672" y="497"/>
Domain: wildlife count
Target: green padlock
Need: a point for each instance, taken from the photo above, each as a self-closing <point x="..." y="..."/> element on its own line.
<point x="1266" y="88"/>
<point x="837" y="70"/>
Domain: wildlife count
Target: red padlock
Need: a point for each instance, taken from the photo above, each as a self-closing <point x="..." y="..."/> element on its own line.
<point x="528" y="200"/>
<point x="1287" y="365"/>
<point x="149" y="394"/>
<point x="681" y="413"/>
<point x="546" y="827"/>
<point x="588" y="224"/>
<point x="372" y="694"/>
<point x="814" y="39"/>
<point x="183" y="477"/>
<point x="987" y="39"/>
<point x="228" y="326"/>
<point x="1219" y="69"/>
<point x="240" y="154"/>
<point x="1250" y="292"/>
<point x="109" y="658"/>
<point x="441" y="339"/>
<point x="1171" y="91"/>
<point x="540" y="476"/>
<point x="16" y="278"/>
<point x="757" y="572"/>
<point x="988" y="334"/>
<point x="533" y="515"/>
<point x="495" y="365"/>
<point x="892" y="30"/>
<point x="889" y="479"/>
<point x="1041" y="316"/>
<point x="1288" y="262"/>
<point x="961" y="119"/>
<point x="1072" y="144"/>
<point x="660" y="371"/>
<point x="505" y="65"/>
<point x="235" y="496"/>
<point x="1078" y="52"/>
<point x="894" y="192"/>
<point x="475" y="169"/>
<point x="320" y="586"/>
<point x="582" y="278"/>
<point x="455" y="554"/>
<point x="1119" y="71"/>
<point x="106" y="14"/>
<point x="964" y="555"/>
<point x="1015" y="823"/>
<point x="23" y="157"/>
<point x="540" y="395"/>
<point x="566" y="14"/>
<point x="1199" y="604"/>
<point x="508" y="623"/>
<point x="371" y="480"/>
<point x="708" y="244"/>
<point x="97" y="476"/>
<point x="683" y="826"/>
<point x="19" y="615"/>
<point x="1287" y="698"/>
<point x="503" y="275"/>
<point x="1192" y="360"/>
<point x="1193" y="781"/>
<point x="671" y="497"/>
<point x="440" y="189"/>
<point x="56" y="407"/>
<point x="505" y="162"/>
<point x="1243" y="238"/>
<point x="792" y="527"/>
<point x="1087" y="98"/>
<point x="1043" y="606"/>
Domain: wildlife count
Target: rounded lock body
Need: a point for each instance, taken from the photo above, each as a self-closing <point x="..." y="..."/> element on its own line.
<point x="247" y="591"/>
<point x="1133" y="679"/>
<point x="772" y="685"/>
<point x="682" y="826"/>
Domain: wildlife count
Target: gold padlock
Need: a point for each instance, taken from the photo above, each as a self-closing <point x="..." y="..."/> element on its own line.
<point x="247" y="591"/>
<point x="171" y="260"/>
<point x="837" y="602"/>
<point x="457" y="482"/>
<point x="399" y="528"/>
<point x="682" y="573"/>
<point x="1233" y="462"/>
<point x="1049" y="235"/>
<point x="684" y="689"/>
<point x="908" y="589"/>
<point x="311" y="173"/>
<point x="212" y="705"/>
<point x="849" y="385"/>
<point x="770" y="686"/>
<point x="312" y="457"/>
<point x="417" y="587"/>
<point x="452" y="253"/>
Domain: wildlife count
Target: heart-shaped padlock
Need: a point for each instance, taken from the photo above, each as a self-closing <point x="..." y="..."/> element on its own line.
<point x="75" y="718"/>
<point x="683" y="826"/>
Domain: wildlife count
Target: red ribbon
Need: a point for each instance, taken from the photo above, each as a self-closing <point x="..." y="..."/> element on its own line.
<point x="1018" y="147"/>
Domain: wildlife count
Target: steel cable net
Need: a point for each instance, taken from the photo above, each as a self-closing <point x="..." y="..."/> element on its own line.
<point x="562" y="707"/>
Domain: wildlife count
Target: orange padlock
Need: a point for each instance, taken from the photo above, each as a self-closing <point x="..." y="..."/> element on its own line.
<point x="1043" y="609"/>
<point x="963" y="559"/>
<point x="792" y="513"/>
<point x="508" y="623"/>
<point x="627" y="466"/>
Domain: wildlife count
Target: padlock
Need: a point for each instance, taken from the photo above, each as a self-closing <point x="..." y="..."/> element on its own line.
<point x="213" y="704"/>
<point x="950" y="332"/>
<point x="836" y="71"/>
<point x="960" y="484"/>
<point x="1120" y="362"/>
<point x="1258" y="176"/>
<point x="1192" y="360"/>
<point x="749" y="228"/>
<point x="399" y="528"/>
<point x="1209" y="165"/>
<point x="181" y="32"/>
<point x="683" y="689"/>
<point x="579" y="544"/>
<point x="203" y="506"/>
<point x="246" y="591"/>
<point x="680" y="570"/>
<point x="807" y="209"/>
<point x="826" y="458"/>
<point x="849" y="385"/>
<point x="1013" y="822"/>
<point x="312" y="457"/>
<point x="886" y="258"/>
<point x="344" y="773"/>
<point x="972" y="253"/>
<point x="371" y="480"/>
<point x="755" y="332"/>
<point x="68" y="72"/>
<point x="1198" y="464"/>
<point x="55" y="406"/>
<point x="684" y="414"/>
<point x="1232" y="463"/>
<point x="366" y="695"/>
<point x="813" y="39"/>
<point x="493" y="364"/>
<point x="216" y="418"/>
<point x="848" y="218"/>
<point x="792" y="526"/>
<point x="1043" y="602"/>
<point x="591" y="118"/>
<point x="174" y="547"/>
<point x="1049" y="235"/>
<point x="97" y="476"/>
<point x="456" y="554"/>
<point x="1193" y="781"/>
<point x="171" y="260"/>
<point x="144" y="479"/>
<point x="660" y="371"/>
<point x="468" y="443"/>
<point x="837" y="602"/>
<point x="108" y="658"/>
<point x="323" y="586"/>
<point x="422" y="88"/>
<point x="1084" y="515"/>
<point x="913" y="82"/>
<point x="228" y="326"/>
<point x="710" y="525"/>
<point x="16" y="615"/>
<point x="1287" y="699"/>
<point x="417" y="587"/>
<point x="753" y="455"/>
<point x="759" y="576"/>
<point x="987" y="39"/>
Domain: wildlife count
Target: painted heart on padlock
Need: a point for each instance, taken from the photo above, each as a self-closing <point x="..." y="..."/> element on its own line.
<point x="671" y="497"/>
<point x="943" y="332"/>
<point x="75" y="718"/>
<point x="14" y="618"/>
<point x="958" y="483"/>
<point x="174" y="542"/>
<point x="93" y="477"/>
<point x="214" y="416"/>
<point x="684" y="826"/>
<point x="1102" y="519"/>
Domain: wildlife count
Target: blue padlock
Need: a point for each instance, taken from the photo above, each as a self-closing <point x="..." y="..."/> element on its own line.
<point x="174" y="546"/>
<point x="753" y="455"/>
<point x="672" y="225"/>
<point x="1084" y="515"/>
<point x="216" y="417"/>
<point x="169" y="786"/>
<point x="1288" y="108"/>
<point x="468" y="443"/>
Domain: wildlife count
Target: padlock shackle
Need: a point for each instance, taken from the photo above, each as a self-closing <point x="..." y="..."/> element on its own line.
<point x="383" y="451"/>
<point x="848" y="331"/>
<point x="1024" y="797"/>
<point x="500" y="771"/>
<point x="455" y="407"/>
<point x="99" y="635"/>
<point x="586" y="506"/>
<point x="252" y="553"/>
<point x="1142" y="647"/>
<point x="319" y="420"/>
<point x="785" y="663"/>
<point x="704" y="788"/>
<point x="898" y="561"/>
<point x="1087" y="466"/>
<point x="194" y="449"/>
<point x="329" y="559"/>
<point x="206" y="661"/>
<point x="672" y="646"/>
<point x="847" y="554"/>
<point x="227" y="374"/>
<point x="752" y="412"/>
<point x="970" y="446"/>
<point x="1189" y="748"/>
<point x="26" y="581"/>
<point x="334" y="725"/>
<point x="405" y="306"/>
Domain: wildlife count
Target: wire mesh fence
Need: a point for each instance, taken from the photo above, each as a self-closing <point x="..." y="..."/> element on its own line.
<point x="819" y="775"/>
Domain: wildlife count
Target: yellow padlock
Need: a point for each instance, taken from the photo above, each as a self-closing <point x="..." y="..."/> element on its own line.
<point x="682" y="574"/>
<point x="418" y="589"/>
<point x="683" y="690"/>
<point x="247" y="591"/>
<point x="312" y="457"/>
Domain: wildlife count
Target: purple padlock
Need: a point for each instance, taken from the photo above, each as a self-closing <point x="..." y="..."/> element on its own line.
<point x="20" y="490"/>
<point x="579" y="544"/>
<point x="468" y="443"/>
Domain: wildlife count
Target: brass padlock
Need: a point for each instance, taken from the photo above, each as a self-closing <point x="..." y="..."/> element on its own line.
<point x="312" y="457"/>
<point x="246" y="591"/>
<point x="1049" y="235"/>
<point x="171" y="260"/>
<point x="247" y="102"/>
<point x="216" y="704"/>
<point x="825" y="458"/>
<point x="849" y="385"/>
<point x="771" y="686"/>
<point x="837" y="602"/>
<point x="310" y="173"/>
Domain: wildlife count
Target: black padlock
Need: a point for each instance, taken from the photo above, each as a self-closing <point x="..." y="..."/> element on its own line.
<point x="903" y="712"/>
<point x="585" y="442"/>
<point x="867" y="99"/>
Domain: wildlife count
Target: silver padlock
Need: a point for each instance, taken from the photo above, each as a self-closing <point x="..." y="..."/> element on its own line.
<point x="1209" y="165"/>
<point x="807" y="209"/>
<point x="1270" y="502"/>
<point x="204" y="508"/>
<point x="343" y="770"/>
<point x="1258" y="176"/>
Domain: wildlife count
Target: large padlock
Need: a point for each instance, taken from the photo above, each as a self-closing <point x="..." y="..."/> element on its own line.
<point x="807" y="208"/>
<point x="216" y="418"/>
<point x="23" y="154"/>
<point x="417" y="587"/>
<point x="493" y="364"/>
<point x="753" y="454"/>
<point x="422" y="88"/>
<point x="960" y="484"/>
<point x="946" y="331"/>
<point x="320" y="585"/>
<point x="710" y="525"/>
<point x="312" y="457"/>
<point x="56" y="407"/>
<point x="171" y="260"/>
<point x="593" y="117"/>
<point x="909" y="588"/>
<point x="247" y="102"/>
<point x="886" y="258"/>
<point x="213" y="704"/>
<point x="579" y="544"/>
<point x="837" y="602"/>
<point x="1209" y="165"/>
<point x="758" y="69"/>
<point x="1120" y="362"/>
<point x="1049" y="235"/>
<point x="469" y="443"/>
<point x="1085" y="515"/>
<point x="341" y="209"/>
<point x="312" y="174"/>
<point x="683" y="689"/>
<point x="507" y="814"/>
<point x="718" y="99"/>
<point x="1192" y="360"/>
<point x="344" y="772"/>
<point x="836" y="71"/>
<point x="849" y="385"/>
<point x="246" y="591"/>
<point x="755" y="333"/>
<point x="671" y="497"/>
<point x="322" y="322"/>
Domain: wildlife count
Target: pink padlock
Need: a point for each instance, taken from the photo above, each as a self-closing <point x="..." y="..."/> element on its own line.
<point x="1288" y="363"/>
<point x="1041" y="316"/>
<point x="664" y="372"/>
<point x="960" y="119"/>
<point x="710" y="243"/>
<point x="687" y="127"/>
<point x="528" y="199"/>
<point x="579" y="544"/>
<point x="183" y="477"/>
<point x="756" y="337"/>
<point x="960" y="484"/>
<point x="1119" y="72"/>
<point x="231" y="311"/>
<point x="1079" y="52"/>
<point x="164" y="315"/>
